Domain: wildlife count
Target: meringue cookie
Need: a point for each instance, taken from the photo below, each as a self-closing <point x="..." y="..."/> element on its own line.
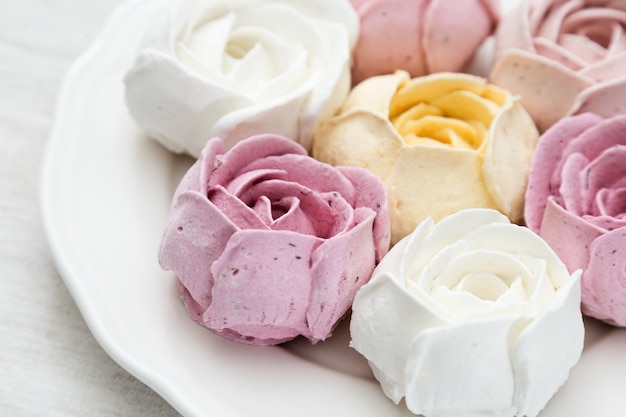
<point x="269" y="244"/>
<point x="235" y="69"/>
<point x="471" y="316"/>
<point x="563" y="58"/>
<point x="418" y="36"/>
<point x="576" y="200"/>
<point x="441" y="143"/>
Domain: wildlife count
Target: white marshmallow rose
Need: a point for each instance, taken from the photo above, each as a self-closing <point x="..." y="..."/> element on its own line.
<point x="472" y="316"/>
<point x="235" y="68"/>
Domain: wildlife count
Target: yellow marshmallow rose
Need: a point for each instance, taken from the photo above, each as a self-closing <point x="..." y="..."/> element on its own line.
<point x="441" y="143"/>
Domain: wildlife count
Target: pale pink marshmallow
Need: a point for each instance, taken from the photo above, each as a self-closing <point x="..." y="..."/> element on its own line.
<point x="563" y="57"/>
<point x="576" y="200"/>
<point x="269" y="244"/>
<point x="419" y="36"/>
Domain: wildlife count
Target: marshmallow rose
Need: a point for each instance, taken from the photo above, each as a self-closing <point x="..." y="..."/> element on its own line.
<point x="576" y="201"/>
<point x="563" y="57"/>
<point x="234" y="69"/>
<point x="420" y="36"/>
<point x="441" y="143"/>
<point x="268" y="243"/>
<point x="472" y="316"/>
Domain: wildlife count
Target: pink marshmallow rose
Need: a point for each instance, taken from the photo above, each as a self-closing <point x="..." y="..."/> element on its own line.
<point x="419" y="36"/>
<point x="268" y="243"/>
<point x="576" y="200"/>
<point x="563" y="57"/>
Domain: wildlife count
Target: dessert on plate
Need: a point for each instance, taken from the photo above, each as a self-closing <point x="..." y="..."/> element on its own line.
<point x="470" y="316"/>
<point x="419" y="36"/>
<point x="343" y="163"/>
<point x="441" y="143"/>
<point x="563" y="57"/>
<point x="269" y="244"/>
<point x="236" y="69"/>
<point x="576" y="200"/>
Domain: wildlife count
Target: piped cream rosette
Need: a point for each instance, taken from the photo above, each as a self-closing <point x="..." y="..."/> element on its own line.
<point x="441" y="143"/>
<point x="471" y="316"/>
<point x="237" y="68"/>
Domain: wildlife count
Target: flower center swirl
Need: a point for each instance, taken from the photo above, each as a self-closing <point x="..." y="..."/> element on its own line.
<point x="441" y="112"/>
<point x="496" y="268"/>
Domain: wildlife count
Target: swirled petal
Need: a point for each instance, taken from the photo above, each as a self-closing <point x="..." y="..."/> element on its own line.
<point x="591" y="15"/>
<point x="454" y="182"/>
<point x="467" y="106"/>
<point x="235" y="209"/>
<point x="242" y="183"/>
<point x="301" y="209"/>
<point x="246" y="121"/>
<point x="525" y="242"/>
<point x="426" y="240"/>
<point x="605" y="99"/>
<point x="191" y="118"/>
<point x="606" y="69"/>
<point x="602" y="135"/>
<point x="560" y="320"/>
<point x="513" y="32"/>
<point x="375" y="93"/>
<point x="511" y="145"/>
<point x="391" y="331"/>
<point x="611" y="204"/>
<point x="605" y="278"/>
<point x="292" y="217"/>
<point x="450" y="42"/>
<point x="434" y="385"/>
<point x="543" y="178"/>
<point x="339" y="267"/>
<point x="269" y="63"/>
<point x="262" y="284"/>
<point x="362" y="128"/>
<point x="350" y="139"/>
<point x="558" y="53"/>
<point x="584" y="48"/>
<point x="195" y="236"/>
<point x="568" y="235"/>
<point x="236" y="161"/>
<point x="381" y="49"/>
<point x="479" y="283"/>
<point x="606" y="222"/>
<point x="550" y="16"/>
<point x="298" y="169"/>
<point x="426" y="89"/>
<point x="534" y="78"/>
<point x="573" y="178"/>
<point x="369" y="195"/>
<point x="606" y="172"/>
<point x="197" y="176"/>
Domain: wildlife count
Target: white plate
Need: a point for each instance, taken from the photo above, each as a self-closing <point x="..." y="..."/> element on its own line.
<point x="105" y="193"/>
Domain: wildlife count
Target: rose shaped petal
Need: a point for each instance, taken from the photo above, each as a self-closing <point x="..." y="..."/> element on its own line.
<point x="269" y="244"/>
<point x="563" y="57"/>
<point x="236" y="69"/>
<point x="471" y="316"/>
<point x="576" y="200"/>
<point x="441" y="143"/>
<point x="418" y="36"/>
